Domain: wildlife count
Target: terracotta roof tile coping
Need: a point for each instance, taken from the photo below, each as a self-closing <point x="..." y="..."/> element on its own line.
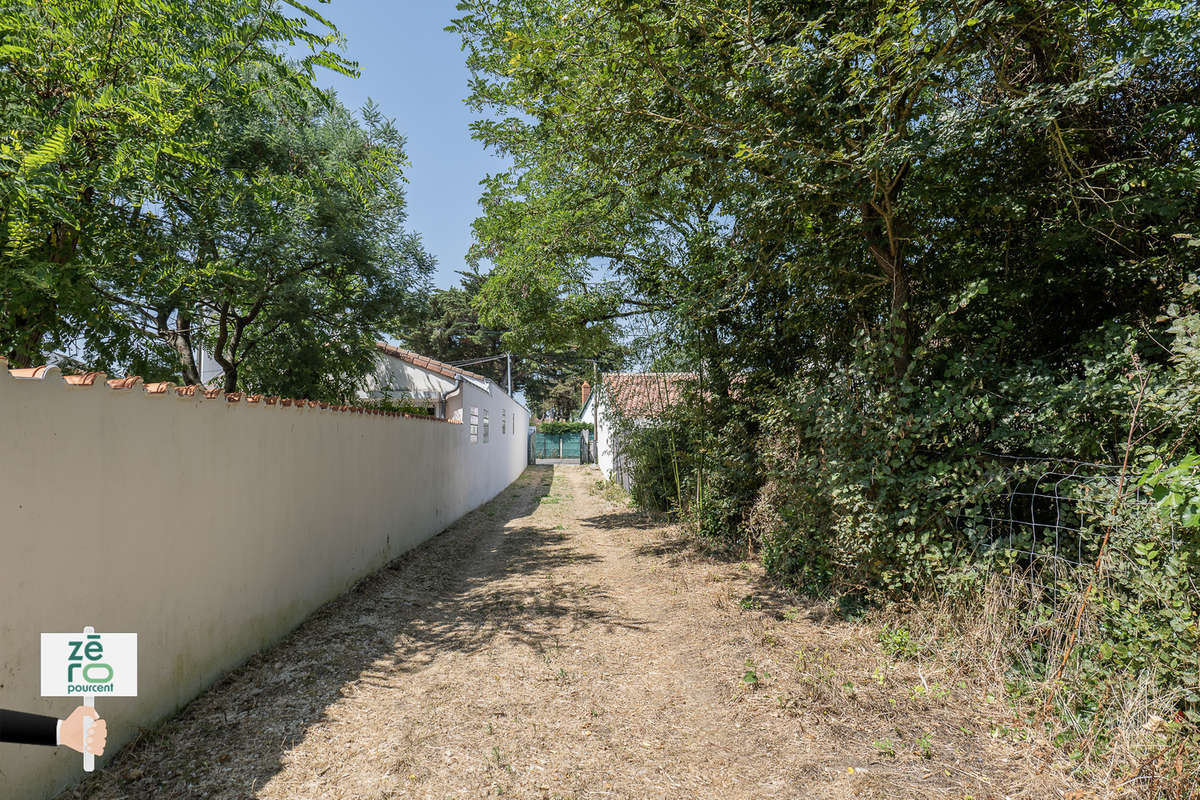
<point x="31" y="372"/>
<point x="163" y="387"/>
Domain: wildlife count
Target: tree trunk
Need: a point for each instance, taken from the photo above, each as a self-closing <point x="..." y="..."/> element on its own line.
<point x="187" y="364"/>
<point x="902" y="332"/>
<point x="30" y="330"/>
<point x="886" y="247"/>
<point x="228" y="365"/>
<point x="180" y="340"/>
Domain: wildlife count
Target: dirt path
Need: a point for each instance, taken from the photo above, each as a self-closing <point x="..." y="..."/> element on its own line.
<point x="556" y="644"/>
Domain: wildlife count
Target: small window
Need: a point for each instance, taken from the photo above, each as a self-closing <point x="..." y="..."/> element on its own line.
<point x="474" y="425"/>
<point x="503" y="421"/>
<point x="485" y="426"/>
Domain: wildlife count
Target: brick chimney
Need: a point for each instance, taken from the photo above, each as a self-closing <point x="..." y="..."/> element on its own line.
<point x="587" y="391"/>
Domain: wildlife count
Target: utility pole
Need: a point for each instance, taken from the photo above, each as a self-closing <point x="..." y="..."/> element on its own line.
<point x="508" y="361"/>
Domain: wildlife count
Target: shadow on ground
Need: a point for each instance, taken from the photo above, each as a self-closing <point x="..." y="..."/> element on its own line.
<point x="633" y="520"/>
<point x="766" y="594"/>
<point x="456" y="593"/>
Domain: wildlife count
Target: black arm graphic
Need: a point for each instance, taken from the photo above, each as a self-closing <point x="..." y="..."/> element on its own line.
<point x="17" y="727"/>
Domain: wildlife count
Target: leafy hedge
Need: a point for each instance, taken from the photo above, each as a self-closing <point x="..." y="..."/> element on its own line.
<point x="555" y="428"/>
<point x="402" y="405"/>
<point x="879" y="492"/>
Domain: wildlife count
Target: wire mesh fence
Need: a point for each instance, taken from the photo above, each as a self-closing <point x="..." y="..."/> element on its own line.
<point x="1049" y="517"/>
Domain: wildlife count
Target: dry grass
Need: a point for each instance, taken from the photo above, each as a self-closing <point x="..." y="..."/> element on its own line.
<point x="1137" y="760"/>
<point x="556" y="644"/>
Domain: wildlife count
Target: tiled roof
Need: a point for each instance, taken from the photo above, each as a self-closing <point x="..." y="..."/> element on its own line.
<point x="88" y="379"/>
<point x="427" y="363"/>
<point x="644" y="394"/>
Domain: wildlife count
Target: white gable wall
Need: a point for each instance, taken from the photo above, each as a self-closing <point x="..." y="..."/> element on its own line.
<point x="395" y="376"/>
<point x="506" y="418"/>
<point x="595" y="410"/>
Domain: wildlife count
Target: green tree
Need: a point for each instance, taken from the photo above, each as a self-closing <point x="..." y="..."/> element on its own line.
<point x="456" y="325"/>
<point x="292" y="250"/>
<point x="98" y="98"/>
<point x="780" y="188"/>
<point x="448" y="329"/>
<point x="904" y="245"/>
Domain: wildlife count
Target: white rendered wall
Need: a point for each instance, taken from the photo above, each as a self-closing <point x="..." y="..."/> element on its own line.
<point x="602" y="418"/>
<point x="210" y="528"/>
<point x="604" y="441"/>
<point x="510" y="447"/>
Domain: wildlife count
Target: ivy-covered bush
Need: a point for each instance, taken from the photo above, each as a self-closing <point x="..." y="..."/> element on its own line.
<point x="887" y="493"/>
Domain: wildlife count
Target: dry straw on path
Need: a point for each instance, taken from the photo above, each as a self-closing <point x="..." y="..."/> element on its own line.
<point x="557" y="644"/>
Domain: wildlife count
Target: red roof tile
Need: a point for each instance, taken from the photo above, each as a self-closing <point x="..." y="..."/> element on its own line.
<point x="30" y="372"/>
<point x="644" y="394"/>
<point x="86" y="379"/>
<point x="427" y="363"/>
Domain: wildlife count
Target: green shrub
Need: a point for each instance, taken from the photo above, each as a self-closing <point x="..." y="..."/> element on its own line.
<point x="402" y="405"/>
<point x="555" y="428"/>
<point x="898" y="642"/>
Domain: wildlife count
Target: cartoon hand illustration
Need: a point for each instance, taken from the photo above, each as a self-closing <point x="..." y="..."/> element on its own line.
<point x="72" y="731"/>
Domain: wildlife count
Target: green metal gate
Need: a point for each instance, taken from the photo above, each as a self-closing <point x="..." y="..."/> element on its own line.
<point x="556" y="445"/>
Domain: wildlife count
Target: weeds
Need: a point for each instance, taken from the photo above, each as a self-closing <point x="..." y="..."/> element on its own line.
<point x="1117" y="728"/>
<point x="898" y="642"/>
<point x="611" y="491"/>
<point x="751" y="677"/>
<point x="925" y="746"/>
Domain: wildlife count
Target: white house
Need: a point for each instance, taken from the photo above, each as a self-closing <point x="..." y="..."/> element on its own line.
<point x="485" y="410"/>
<point x="622" y="399"/>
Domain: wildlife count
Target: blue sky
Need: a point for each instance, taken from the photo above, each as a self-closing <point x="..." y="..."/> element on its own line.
<point x="415" y="71"/>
